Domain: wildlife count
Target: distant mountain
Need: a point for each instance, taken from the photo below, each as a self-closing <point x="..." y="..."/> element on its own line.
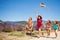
<point x="16" y="22"/>
<point x="21" y="22"/>
<point x="24" y="22"/>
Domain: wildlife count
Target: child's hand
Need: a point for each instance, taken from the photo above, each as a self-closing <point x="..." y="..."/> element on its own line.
<point x="36" y="14"/>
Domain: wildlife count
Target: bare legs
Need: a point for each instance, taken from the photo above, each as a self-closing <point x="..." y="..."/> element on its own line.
<point x="40" y="32"/>
<point x="55" y="33"/>
<point x="48" y="32"/>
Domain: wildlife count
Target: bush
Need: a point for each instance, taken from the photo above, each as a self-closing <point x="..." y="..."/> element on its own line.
<point x="1" y="29"/>
<point x="7" y="29"/>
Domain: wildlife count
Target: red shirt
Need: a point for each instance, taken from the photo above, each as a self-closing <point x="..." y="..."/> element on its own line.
<point x="39" y="23"/>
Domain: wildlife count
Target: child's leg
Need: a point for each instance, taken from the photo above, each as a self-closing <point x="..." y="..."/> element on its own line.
<point x="31" y="31"/>
<point x="40" y="32"/>
<point x="48" y="32"/>
<point x="55" y="33"/>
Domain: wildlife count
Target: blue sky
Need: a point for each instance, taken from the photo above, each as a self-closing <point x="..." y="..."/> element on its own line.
<point x="21" y="10"/>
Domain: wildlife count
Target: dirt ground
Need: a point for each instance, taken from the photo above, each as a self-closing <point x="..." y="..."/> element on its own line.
<point x="4" y="36"/>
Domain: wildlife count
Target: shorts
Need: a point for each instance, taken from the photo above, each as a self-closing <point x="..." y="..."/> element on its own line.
<point x="40" y="27"/>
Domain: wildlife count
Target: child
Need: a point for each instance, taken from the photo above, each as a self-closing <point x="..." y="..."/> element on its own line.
<point x="39" y="24"/>
<point x="48" y="27"/>
<point x="55" y="27"/>
<point x="29" y="25"/>
<point x="59" y="27"/>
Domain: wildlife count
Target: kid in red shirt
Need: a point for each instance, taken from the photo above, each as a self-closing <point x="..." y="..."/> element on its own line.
<point x="39" y="24"/>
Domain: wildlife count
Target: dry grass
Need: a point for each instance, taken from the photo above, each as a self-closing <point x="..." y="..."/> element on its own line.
<point x="17" y="34"/>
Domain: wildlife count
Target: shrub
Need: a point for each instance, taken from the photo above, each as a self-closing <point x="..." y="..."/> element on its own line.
<point x="7" y="29"/>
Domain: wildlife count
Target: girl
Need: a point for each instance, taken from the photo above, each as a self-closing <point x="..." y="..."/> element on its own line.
<point x="39" y="24"/>
<point x="55" y="27"/>
<point x="59" y="27"/>
<point x="48" y="27"/>
<point x="29" y="25"/>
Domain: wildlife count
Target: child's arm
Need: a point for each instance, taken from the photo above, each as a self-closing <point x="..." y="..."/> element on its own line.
<point x="52" y="25"/>
<point x="46" y="25"/>
<point x="36" y="15"/>
<point x="32" y="23"/>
